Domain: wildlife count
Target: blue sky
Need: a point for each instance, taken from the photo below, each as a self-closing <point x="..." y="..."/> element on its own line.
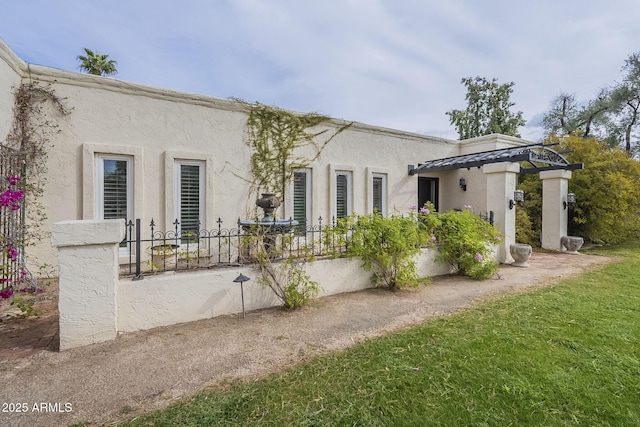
<point x="391" y="63"/>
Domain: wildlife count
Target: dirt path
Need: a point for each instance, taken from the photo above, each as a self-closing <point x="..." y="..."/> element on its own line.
<point x="142" y="371"/>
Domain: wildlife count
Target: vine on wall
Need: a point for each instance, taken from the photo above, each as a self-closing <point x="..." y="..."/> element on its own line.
<point x="35" y="110"/>
<point x="274" y="135"/>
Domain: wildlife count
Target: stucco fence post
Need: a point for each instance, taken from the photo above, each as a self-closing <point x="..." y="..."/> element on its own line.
<point x="88" y="274"/>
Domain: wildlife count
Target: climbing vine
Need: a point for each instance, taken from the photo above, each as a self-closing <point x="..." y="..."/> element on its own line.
<point x="274" y="136"/>
<point x="27" y="145"/>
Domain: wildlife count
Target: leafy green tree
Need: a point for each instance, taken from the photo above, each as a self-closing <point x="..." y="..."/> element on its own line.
<point x="567" y="117"/>
<point x="612" y="116"/>
<point x="625" y="99"/>
<point x="488" y="110"/>
<point x="96" y="63"/>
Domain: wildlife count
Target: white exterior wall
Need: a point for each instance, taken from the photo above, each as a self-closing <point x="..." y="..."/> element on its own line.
<point x="11" y="69"/>
<point x="161" y="301"/>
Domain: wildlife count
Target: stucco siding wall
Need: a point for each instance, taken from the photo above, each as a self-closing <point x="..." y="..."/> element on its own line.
<point x="10" y="77"/>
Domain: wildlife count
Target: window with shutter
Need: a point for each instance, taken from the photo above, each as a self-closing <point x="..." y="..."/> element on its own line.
<point x="378" y="189"/>
<point x="343" y="194"/>
<point x="190" y="199"/>
<point x="301" y="198"/>
<point x="114" y="187"/>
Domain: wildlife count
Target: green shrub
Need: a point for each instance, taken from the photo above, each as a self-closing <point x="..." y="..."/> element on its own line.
<point x="288" y="280"/>
<point x="388" y="246"/>
<point x="465" y="241"/>
<point x="525" y="232"/>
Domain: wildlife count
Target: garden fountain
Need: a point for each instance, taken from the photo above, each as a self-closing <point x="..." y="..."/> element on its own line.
<point x="268" y="225"/>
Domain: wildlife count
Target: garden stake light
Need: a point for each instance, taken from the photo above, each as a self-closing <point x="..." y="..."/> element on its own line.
<point x="241" y="279"/>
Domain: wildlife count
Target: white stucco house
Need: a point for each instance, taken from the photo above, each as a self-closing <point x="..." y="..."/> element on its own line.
<point x="157" y="137"/>
<point x="126" y="150"/>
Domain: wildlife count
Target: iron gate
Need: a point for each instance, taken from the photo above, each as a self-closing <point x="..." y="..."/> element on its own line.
<point x="12" y="218"/>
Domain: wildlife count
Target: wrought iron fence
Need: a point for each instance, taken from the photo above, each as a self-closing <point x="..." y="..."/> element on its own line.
<point x="148" y="249"/>
<point x="12" y="269"/>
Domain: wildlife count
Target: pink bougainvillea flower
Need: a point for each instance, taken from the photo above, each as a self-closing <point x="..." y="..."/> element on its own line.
<point x="5" y="198"/>
<point x="11" y="198"/>
<point x="413" y="207"/>
<point x="433" y="239"/>
<point x="478" y="256"/>
<point x="14" y="180"/>
<point x="13" y="253"/>
<point x="425" y="211"/>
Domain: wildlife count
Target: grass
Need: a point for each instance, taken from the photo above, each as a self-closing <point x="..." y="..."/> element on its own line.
<point x="566" y="355"/>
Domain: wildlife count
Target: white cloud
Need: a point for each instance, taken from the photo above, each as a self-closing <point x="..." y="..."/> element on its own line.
<point x="389" y="63"/>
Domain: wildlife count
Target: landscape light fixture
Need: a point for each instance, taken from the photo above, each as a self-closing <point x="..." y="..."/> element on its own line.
<point x="463" y="184"/>
<point x="571" y="200"/>
<point x="518" y="197"/>
<point x="241" y="279"/>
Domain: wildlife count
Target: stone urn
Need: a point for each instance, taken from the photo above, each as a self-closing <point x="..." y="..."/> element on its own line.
<point x="268" y="202"/>
<point x="572" y="244"/>
<point x="521" y="254"/>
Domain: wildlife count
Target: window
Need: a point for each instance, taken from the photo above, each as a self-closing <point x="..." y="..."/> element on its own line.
<point x="114" y="192"/>
<point x="343" y="194"/>
<point x="379" y="193"/>
<point x="301" y="198"/>
<point x="190" y="202"/>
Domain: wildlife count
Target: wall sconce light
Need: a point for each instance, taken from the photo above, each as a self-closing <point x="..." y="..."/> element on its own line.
<point x="571" y="200"/>
<point x="518" y="197"/>
<point x="463" y="184"/>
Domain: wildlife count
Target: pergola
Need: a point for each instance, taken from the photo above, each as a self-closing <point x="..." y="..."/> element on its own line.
<point x="501" y="166"/>
<point x="534" y="154"/>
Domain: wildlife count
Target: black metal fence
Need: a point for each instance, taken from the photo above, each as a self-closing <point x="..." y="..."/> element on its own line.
<point x="149" y="250"/>
<point x="12" y="268"/>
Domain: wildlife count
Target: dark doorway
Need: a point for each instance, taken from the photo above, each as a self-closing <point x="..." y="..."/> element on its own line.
<point x="428" y="191"/>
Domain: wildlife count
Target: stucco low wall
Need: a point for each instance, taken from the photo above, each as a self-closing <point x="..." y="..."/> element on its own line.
<point x="180" y="297"/>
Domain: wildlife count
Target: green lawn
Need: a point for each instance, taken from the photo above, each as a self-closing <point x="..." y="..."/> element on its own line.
<point x="564" y="355"/>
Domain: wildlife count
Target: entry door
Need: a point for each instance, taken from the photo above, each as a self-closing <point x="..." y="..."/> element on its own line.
<point x="428" y="191"/>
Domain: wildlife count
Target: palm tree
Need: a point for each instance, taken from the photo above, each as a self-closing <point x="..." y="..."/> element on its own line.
<point x="97" y="64"/>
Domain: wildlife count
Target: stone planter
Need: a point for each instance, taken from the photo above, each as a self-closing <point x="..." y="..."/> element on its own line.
<point x="164" y="257"/>
<point x="521" y="254"/>
<point x="572" y="244"/>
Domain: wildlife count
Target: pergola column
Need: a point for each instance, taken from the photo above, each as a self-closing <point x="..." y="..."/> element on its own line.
<point x="501" y="184"/>
<point x="555" y="184"/>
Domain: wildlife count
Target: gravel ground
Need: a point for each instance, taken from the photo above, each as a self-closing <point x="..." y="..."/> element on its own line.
<point x="138" y="372"/>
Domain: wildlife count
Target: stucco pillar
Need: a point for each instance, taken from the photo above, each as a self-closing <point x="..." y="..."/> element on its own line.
<point x="555" y="184"/>
<point x="88" y="273"/>
<point x="501" y="183"/>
